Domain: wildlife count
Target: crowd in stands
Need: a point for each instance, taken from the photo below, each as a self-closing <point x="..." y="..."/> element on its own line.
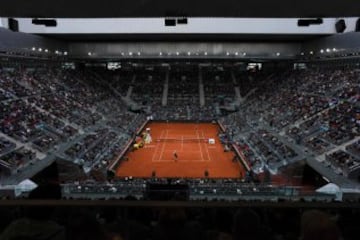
<point x="148" y="86"/>
<point x="6" y="146"/>
<point x="317" y="108"/>
<point x="81" y="148"/>
<point x="344" y="163"/>
<point x="183" y="86"/>
<point x="17" y="159"/>
<point x="218" y="85"/>
<point x="44" y="105"/>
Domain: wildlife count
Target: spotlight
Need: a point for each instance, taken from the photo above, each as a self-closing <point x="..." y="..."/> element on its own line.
<point x="334" y="49"/>
<point x="189" y="53"/>
<point x="322" y="51"/>
<point x="278" y="54"/>
<point x="40" y="49"/>
<point x="328" y="50"/>
<point x="89" y="53"/>
<point x="130" y="53"/>
<point x="205" y="53"/>
<point x="311" y="52"/>
<point x="34" y="48"/>
<point x="236" y="53"/>
<point x="160" y="53"/>
<point x="66" y="53"/>
<point x="244" y="53"/>
<point x="46" y="50"/>
<point x="139" y="53"/>
<point x="177" y="53"/>
<point x="227" y="53"/>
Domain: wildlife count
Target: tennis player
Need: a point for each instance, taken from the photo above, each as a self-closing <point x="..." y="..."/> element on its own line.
<point x="175" y="155"/>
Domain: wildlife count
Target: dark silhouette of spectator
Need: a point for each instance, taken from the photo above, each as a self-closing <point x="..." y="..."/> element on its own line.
<point x="36" y="225"/>
<point x="247" y="226"/>
<point x="171" y="225"/>
<point x="317" y="225"/>
<point x="83" y="225"/>
<point x="6" y="217"/>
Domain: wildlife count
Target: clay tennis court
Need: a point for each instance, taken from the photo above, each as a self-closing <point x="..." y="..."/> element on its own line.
<point x="195" y="154"/>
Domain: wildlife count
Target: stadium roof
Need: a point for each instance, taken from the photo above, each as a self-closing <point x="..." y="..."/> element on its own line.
<point x="191" y="8"/>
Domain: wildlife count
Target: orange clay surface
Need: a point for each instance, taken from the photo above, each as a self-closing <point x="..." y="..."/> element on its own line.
<point x="194" y="157"/>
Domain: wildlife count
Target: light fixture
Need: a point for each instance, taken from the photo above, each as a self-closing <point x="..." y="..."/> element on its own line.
<point x="177" y="53"/>
<point x="277" y="54"/>
<point x="56" y="52"/>
<point x="66" y="53"/>
<point x="189" y="53"/>
<point x="89" y="53"/>
<point x="205" y="53"/>
<point x="328" y="50"/>
<point x="130" y="53"/>
<point x="160" y="53"/>
<point x="139" y="53"/>
<point x="311" y="52"/>
<point x="302" y="53"/>
<point x="34" y="48"/>
<point x="227" y="53"/>
<point x="244" y="53"/>
<point x="334" y="49"/>
<point x="322" y="51"/>
<point x="46" y="50"/>
<point x="236" y="53"/>
<point x="40" y="49"/>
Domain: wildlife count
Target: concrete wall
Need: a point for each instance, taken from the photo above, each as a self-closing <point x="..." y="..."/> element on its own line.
<point x="184" y="49"/>
<point x="341" y="42"/>
<point x="16" y="41"/>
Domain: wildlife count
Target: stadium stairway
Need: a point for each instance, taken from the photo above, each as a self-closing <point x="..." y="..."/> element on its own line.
<point x="236" y="87"/>
<point x="166" y="89"/>
<point x="201" y="89"/>
<point x="129" y="92"/>
<point x="131" y="87"/>
<point x="251" y="92"/>
<point x="238" y="98"/>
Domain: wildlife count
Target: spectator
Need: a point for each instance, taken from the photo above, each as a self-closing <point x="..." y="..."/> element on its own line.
<point x="318" y="225"/>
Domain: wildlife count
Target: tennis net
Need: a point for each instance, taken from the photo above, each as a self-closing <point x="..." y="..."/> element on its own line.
<point x="183" y="140"/>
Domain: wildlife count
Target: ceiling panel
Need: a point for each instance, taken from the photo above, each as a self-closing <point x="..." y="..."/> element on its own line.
<point x="194" y="8"/>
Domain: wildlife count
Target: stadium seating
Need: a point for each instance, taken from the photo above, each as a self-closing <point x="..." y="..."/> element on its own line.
<point x="89" y="113"/>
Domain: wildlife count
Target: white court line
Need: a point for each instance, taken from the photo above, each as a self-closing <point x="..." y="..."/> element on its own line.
<point x="206" y="147"/>
<point x="163" y="147"/>
<point x="156" y="148"/>
<point x="201" y="153"/>
<point x="150" y="146"/>
<point x="179" y="161"/>
<point x="182" y="143"/>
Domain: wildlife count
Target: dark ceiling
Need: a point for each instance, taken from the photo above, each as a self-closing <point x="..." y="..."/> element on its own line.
<point x="191" y="8"/>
